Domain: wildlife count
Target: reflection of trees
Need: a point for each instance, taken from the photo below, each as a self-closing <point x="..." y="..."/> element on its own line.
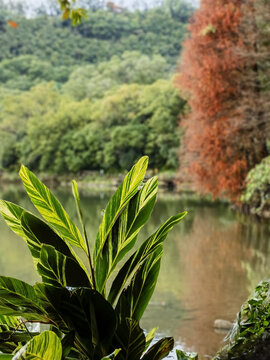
<point x="257" y="236"/>
<point x="217" y="283"/>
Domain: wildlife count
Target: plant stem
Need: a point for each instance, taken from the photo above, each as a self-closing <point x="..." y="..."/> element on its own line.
<point x="27" y="330"/>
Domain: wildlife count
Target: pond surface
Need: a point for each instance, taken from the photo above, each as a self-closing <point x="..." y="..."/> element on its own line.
<point x="212" y="261"/>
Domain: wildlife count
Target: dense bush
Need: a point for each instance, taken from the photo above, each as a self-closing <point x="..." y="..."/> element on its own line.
<point x="249" y="338"/>
<point x="257" y="193"/>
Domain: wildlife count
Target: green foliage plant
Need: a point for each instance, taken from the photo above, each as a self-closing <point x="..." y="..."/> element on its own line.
<point x="91" y="312"/>
<point x="257" y="193"/>
<point x="251" y="332"/>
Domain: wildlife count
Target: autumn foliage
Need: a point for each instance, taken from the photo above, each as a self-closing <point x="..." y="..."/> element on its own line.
<point x="219" y="145"/>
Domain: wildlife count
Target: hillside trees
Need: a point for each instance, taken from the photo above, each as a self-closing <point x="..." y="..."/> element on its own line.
<point x="95" y="96"/>
<point x="102" y="35"/>
<point x="225" y="135"/>
<point x="48" y="131"/>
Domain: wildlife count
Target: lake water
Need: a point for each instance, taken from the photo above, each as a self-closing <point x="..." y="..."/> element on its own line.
<point x="212" y="261"/>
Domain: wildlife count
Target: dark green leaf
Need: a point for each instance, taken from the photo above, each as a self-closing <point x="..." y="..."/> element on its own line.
<point x="67" y="343"/>
<point x="130" y="338"/>
<point x="37" y="232"/>
<point x="140" y="256"/>
<point x="160" y="349"/>
<point x="87" y="313"/>
<point x="17" y="298"/>
<point x="60" y="270"/>
<point x="135" y="298"/>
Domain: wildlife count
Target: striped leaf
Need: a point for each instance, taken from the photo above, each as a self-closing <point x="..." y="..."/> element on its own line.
<point x="18" y="298"/>
<point x="51" y="209"/>
<point x="123" y="234"/>
<point x="9" y="322"/>
<point x="46" y="346"/>
<point x="48" y="299"/>
<point x="35" y="232"/>
<point x="141" y="255"/>
<point x="58" y="269"/>
<point x="12" y="214"/>
<point x="135" y="298"/>
<point x="87" y="313"/>
<point x="11" y="333"/>
<point x="160" y="349"/>
<point x="118" y="202"/>
<point x="130" y="338"/>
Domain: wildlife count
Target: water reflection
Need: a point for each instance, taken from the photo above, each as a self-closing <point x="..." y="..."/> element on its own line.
<point x="211" y="262"/>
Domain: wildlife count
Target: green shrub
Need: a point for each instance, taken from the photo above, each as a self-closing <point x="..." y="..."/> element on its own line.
<point x="250" y="334"/>
<point x="257" y="193"/>
<point x="93" y="312"/>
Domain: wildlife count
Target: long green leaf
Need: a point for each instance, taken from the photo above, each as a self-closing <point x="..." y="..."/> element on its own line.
<point x="18" y="298"/>
<point x="118" y="202"/>
<point x="46" y="346"/>
<point x="125" y="230"/>
<point x="49" y="297"/>
<point x="86" y="312"/>
<point x="130" y="338"/>
<point x="60" y="270"/>
<point x="160" y="349"/>
<point x="35" y="232"/>
<point x="32" y="229"/>
<point x="135" y="298"/>
<point x="12" y="214"/>
<point x="38" y="233"/>
<point x="140" y="256"/>
<point x="51" y="209"/>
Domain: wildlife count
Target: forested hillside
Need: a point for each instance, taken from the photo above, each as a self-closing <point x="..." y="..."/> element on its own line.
<point x="94" y="96"/>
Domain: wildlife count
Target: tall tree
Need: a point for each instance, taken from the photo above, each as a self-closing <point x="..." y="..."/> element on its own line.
<point x="224" y="137"/>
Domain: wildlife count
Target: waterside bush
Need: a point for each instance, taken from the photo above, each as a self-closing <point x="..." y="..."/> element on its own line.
<point x="257" y="193"/>
<point x="250" y="336"/>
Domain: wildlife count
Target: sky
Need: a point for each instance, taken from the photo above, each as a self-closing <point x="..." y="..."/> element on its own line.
<point x="120" y="2"/>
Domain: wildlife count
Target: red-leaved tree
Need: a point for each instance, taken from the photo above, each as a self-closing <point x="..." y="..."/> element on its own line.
<point x="221" y="143"/>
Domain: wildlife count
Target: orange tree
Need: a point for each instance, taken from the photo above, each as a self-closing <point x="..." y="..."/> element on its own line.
<point x="220" y="141"/>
